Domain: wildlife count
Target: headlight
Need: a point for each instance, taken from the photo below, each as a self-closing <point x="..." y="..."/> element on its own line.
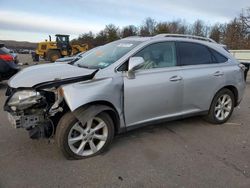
<point x="24" y="99"/>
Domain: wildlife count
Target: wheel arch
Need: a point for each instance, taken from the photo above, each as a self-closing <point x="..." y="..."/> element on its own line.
<point x="234" y="90"/>
<point x="110" y="110"/>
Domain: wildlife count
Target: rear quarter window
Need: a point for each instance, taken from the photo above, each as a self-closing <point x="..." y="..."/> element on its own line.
<point x="217" y="57"/>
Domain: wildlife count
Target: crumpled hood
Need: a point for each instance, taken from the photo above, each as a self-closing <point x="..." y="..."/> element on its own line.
<point x="38" y="74"/>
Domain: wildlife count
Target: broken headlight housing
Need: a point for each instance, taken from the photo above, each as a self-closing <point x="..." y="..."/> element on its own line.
<point x="24" y="99"/>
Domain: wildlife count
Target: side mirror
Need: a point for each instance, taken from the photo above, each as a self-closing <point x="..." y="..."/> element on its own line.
<point x="134" y="62"/>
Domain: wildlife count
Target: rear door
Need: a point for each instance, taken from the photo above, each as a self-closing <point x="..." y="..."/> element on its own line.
<point x="202" y="76"/>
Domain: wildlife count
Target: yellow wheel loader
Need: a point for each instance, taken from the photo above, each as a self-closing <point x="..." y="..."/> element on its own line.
<point x="53" y="50"/>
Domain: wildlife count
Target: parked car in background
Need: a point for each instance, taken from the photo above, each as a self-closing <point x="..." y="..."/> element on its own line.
<point x="8" y="67"/>
<point x="14" y="55"/>
<point x="24" y="51"/>
<point x="123" y="85"/>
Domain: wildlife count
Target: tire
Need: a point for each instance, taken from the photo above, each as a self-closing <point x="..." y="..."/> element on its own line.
<point x="69" y="125"/>
<point x="53" y="55"/>
<point x="226" y="108"/>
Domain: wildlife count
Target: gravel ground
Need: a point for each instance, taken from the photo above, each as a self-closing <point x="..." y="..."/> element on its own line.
<point x="184" y="153"/>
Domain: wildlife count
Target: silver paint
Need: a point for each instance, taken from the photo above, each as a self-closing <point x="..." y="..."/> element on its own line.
<point x="153" y="94"/>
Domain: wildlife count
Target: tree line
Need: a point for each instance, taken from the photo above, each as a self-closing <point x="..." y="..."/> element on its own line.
<point x="235" y="34"/>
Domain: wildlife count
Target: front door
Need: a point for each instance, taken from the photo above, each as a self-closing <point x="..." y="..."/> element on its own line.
<point x="156" y="91"/>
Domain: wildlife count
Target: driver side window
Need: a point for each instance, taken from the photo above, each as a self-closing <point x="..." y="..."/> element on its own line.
<point x="158" y="55"/>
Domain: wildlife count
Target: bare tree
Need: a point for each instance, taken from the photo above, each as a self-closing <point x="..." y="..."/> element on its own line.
<point x="86" y="38"/>
<point x="235" y="34"/>
<point x="100" y="39"/>
<point x="199" y="28"/>
<point x="216" y="32"/>
<point x="178" y="27"/>
<point x="245" y="18"/>
<point x="162" y="27"/>
<point x="245" y="21"/>
<point x="148" y="27"/>
<point x="111" y="32"/>
<point x="127" y="31"/>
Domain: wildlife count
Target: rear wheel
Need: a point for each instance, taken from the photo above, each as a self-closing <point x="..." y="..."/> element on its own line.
<point x="53" y="55"/>
<point x="78" y="141"/>
<point x="222" y="107"/>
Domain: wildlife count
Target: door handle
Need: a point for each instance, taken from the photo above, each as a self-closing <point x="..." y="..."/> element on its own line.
<point x="175" y="78"/>
<point x="218" y="73"/>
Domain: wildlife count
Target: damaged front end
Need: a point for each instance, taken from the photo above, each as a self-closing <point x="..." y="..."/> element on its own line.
<point x="39" y="108"/>
<point x="33" y="110"/>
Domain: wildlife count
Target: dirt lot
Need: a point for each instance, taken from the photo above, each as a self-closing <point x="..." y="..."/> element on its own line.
<point x="184" y="153"/>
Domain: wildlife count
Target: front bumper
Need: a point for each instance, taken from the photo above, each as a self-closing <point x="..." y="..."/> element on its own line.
<point x="27" y="118"/>
<point x="25" y="121"/>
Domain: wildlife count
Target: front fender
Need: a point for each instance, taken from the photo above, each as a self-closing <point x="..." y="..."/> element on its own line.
<point x="104" y="89"/>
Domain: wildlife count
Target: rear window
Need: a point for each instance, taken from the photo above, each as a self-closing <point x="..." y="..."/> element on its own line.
<point x="217" y="57"/>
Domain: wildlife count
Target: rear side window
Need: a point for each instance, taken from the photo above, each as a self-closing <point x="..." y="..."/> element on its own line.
<point x="217" y="57"/>
<point x="193" y="54"/>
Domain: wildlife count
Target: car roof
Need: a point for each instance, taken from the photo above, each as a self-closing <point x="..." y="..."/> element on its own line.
<point x="177" y="37"/>
<point x="183" y="38"/>
<point x="173" y="37"/>
<point x="137" y="38"/>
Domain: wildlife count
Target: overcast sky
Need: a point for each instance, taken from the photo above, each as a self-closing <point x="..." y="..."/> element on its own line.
<point x="34" y="20"/>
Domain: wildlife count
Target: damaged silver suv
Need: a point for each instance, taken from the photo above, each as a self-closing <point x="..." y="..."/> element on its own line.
<point x="123" y="85"/>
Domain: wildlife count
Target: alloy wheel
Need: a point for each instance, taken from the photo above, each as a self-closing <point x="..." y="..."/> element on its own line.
<point x="85" y="140"/>
<point x="223" y="107"/>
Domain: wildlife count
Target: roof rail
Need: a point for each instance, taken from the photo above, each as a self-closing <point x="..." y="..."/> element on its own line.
<point x="134" y="36"/>
<point x="185" y="36"/>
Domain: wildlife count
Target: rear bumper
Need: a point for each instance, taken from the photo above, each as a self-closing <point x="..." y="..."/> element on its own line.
<point x="241" y="90"/>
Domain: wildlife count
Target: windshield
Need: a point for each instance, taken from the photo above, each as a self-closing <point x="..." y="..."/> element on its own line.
<point x="103" y="56"/>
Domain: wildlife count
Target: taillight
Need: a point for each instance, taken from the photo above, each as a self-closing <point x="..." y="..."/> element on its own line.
<point x="6" y="57"/>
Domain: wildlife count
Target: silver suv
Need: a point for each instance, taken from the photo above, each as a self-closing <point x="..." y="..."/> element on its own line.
<point x="123" y="85"/>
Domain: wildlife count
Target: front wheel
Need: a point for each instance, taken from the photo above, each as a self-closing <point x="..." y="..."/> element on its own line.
<point x="222" y="107"/>
<point x="78" y="141"/>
